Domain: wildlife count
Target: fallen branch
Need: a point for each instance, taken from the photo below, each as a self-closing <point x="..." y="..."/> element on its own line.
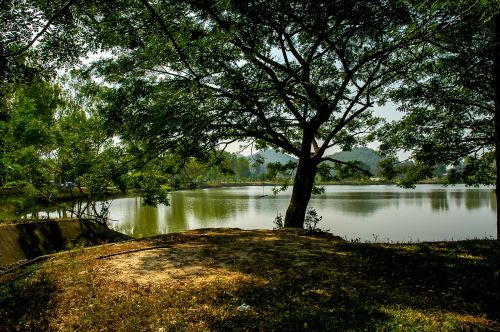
<point x="135" y="250"/>
<point x="28" y="262"/>
<point x="47" y="256"/>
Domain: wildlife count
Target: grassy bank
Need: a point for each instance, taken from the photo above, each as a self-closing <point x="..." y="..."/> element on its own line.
<point x="257" y="280"/>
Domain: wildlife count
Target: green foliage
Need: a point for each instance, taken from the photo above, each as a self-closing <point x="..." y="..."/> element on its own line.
<point x="387" y="168"/>
<point x="368" y="157"/>
<point x="414" y="173"/>
<point x="152" y="192"/>
<point x="50" y="140"/>
<point x="279" y="222"/>
<point x="29" y="137"/>
<point x="279" y="171"/>
<point x="300" y="77"/>
<point x="311" y="220"/>
<point x="407" y="174"/>
<point x="448" y="101"/>
<point x="352" y="171"/>
<point x="439" y="170"/>
<point x="219" y="166"/>
<point x="325" y="172"/>
<point x="474" y="171"/>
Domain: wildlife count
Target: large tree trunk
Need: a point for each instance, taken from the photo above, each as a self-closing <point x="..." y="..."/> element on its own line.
<point x="496" y="80"/>
<point x="301" y="194"/>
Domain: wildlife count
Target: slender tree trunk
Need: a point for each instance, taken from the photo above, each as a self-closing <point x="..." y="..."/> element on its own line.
<point x="496" y="83"/>
<point x="301" y="194"/>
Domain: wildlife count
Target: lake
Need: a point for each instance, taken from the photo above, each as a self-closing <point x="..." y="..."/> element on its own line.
<point x="368" y="213"/>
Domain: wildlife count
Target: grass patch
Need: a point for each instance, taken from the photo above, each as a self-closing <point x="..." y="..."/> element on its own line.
<point x="227" y="280"/>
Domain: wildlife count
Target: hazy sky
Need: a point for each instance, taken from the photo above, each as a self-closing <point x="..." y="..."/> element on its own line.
<point x="387" y="112"/>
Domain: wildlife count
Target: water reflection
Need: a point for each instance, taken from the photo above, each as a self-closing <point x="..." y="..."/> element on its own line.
<point x="357" y="203"/>
<point x="176" y="214"/>
<point x="439" y="201"/>
<point x="187" y="209"/>
<point x="208" y="206"/>
<point x="369" y="202"/>
<point x="429" y="212"/>
<point x="128" y="216"/>
<point x="475" y="199"/>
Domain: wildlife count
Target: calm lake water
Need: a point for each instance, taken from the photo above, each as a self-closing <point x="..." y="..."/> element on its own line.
<point x="368" y="213"/>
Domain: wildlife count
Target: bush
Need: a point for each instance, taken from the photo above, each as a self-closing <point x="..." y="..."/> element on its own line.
<point x="312" y="219"/>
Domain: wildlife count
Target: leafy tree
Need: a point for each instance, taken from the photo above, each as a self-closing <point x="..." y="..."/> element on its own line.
<point x="86" y="157"/>
<point x="28" y="137"/>
<point x="451" y="102"/>
<point x="365" y="155"/>
<point x="28" y="99"/>
<point x="241" y="167"/>
<point x="300" y="76"/>
<point x="49" y="140"/>
<point x="37" y="36"/>
<point x="45" y="139"/>
<point x="24" y="24"/>
<point x="439" y="170"/>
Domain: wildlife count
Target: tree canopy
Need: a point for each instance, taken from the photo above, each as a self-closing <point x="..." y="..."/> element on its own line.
<point x="450" y="102"/>
<point x="301" y="77"/>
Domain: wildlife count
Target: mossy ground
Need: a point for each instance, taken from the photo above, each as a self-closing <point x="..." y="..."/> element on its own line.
<point x="233" y="280"/>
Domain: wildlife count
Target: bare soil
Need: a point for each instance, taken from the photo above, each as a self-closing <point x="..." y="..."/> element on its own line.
<point x="235" y="280"/>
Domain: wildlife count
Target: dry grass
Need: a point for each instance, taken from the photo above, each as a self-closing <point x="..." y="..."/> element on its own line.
<point x="226" y="280"/>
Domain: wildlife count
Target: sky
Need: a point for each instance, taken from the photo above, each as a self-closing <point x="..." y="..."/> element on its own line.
<point x="388" y="112"/>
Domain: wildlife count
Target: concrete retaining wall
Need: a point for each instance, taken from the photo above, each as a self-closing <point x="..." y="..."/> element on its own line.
<point x="29" y="240"/>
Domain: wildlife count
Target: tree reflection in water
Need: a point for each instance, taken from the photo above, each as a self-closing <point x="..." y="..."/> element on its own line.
<point x="430" y="212"/>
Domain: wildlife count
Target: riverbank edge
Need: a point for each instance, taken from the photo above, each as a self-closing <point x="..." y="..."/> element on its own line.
<point x="28" y="240"/>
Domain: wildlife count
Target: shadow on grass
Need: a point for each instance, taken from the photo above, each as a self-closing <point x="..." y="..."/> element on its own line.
<point x="232" y="280"/>
<point x="461" y="277"/>
<point x="26" y="302"/>
<point x="295" y="285"/>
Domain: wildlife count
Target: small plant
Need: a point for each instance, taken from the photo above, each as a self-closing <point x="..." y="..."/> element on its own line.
<point x="312" y="219"/>
<point x="279" y="221"/>
<point x="75" y="247"/>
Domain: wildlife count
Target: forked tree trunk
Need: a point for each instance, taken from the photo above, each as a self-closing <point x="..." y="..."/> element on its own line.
<point x="496" y="83"/>
<point x="301" y="194"/>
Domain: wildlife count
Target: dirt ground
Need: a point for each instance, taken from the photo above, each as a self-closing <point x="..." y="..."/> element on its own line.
<point x="230" y="279"/>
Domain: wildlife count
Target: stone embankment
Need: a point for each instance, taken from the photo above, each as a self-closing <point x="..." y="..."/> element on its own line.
<point x="28" y="240"/>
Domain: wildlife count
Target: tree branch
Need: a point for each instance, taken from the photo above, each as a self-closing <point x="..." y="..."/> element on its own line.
<point x="41" y="32"/>
<point x="169" y="35"/>
<point x="347" y="164"/>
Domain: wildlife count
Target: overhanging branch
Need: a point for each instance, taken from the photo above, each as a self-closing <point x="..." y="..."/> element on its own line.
<point x="169" y="35"/>
<point x="352" y="165"/>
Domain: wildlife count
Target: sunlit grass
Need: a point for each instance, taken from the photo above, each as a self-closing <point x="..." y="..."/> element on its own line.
<point x="258" y="280"/>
